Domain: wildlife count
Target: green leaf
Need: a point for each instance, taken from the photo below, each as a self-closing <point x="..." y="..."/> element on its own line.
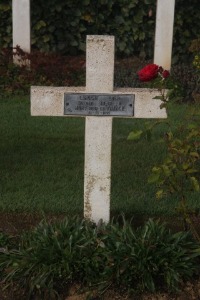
<point x="159" y="194"/>
<point x="158" y="97"/>
<point x="191" y="171"/>
<point x="46" y="38"/>
<point x="139" y="16"/>
<point x="40" y="24"/>
<point x="86" y="2"/>
<point x="77" y="13"/>
<point x="185" y="166"/>
<point x="122" y="46"/>
<point x="169" y="93"/>
<point x="88" y="18"/>
<point x="74" y="43"/>
<point x="163" y="105"/>
<point x="58" y="8"/>
<point x="195" y="184"/>
<point x="166" y="170"/>
<point x="154" y="177"/>
<point x="135" y="135"/>
<point x="194" y="154"/>
<point x="119" y="19"/>
<point x="7" y="39"/>
<point x="5" y="7"/>
<point x="142" y="36"/>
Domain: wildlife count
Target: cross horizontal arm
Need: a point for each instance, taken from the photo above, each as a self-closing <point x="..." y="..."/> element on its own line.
<point x="49" y="101"/>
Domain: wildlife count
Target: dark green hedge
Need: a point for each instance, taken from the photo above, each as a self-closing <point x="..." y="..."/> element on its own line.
<point x="5" y="24"/>
<point x="63" y="25"/>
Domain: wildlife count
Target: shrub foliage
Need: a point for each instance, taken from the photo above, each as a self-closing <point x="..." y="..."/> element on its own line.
<point x="46" y="69"/>
<point x="54" y="255"/>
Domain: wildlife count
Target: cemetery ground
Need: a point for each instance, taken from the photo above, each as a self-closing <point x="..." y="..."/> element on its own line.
<point x="42" y="161"/>
<point x="41" y="173"/>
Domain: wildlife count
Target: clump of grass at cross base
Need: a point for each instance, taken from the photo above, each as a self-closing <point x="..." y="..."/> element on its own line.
<point x="50" y="258"/>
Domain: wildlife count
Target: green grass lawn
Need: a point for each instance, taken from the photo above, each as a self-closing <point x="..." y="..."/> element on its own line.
<point x="42" y="163"/>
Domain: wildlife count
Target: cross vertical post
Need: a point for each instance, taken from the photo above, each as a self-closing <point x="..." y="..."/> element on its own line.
<point x="98" y="130"/>
<point x="164" y="33"/>
<point x="21" y="25"/>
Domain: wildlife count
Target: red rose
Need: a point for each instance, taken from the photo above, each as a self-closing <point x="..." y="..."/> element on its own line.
<point x="165" y="74"/>
<point x="149" y="72"/>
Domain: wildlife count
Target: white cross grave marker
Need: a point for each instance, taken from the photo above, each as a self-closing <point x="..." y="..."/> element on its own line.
<point x="98" y="102"/>
<point x="164" y="33"/>
<point x="21" y="26"/>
